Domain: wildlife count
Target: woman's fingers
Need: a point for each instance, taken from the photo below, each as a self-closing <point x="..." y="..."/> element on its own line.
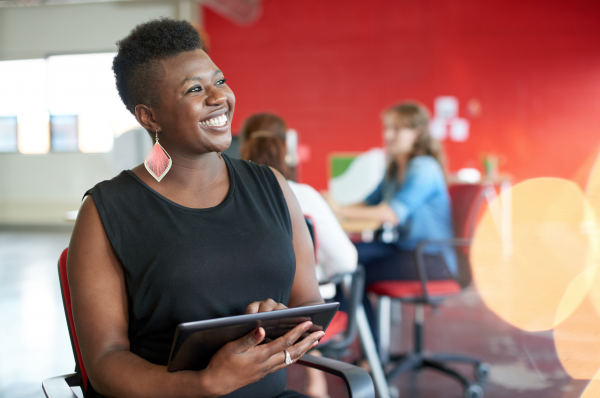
<point x="277" y="361"/>
<point x="287" y="340"/>
<point x="249" y="341"/>
<point x="264" y="306"/>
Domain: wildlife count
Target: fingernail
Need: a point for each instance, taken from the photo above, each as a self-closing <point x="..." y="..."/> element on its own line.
<point x="308" y="325"/>
<point x="316" y="343"/>
<point x="321" y="334"/>
<point x="257" y="333"/>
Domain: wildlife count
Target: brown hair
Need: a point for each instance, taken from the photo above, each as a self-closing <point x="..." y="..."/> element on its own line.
<point x="263" y="122"/>
<point x="263" y="147"/>
<point x="414" y="115"/>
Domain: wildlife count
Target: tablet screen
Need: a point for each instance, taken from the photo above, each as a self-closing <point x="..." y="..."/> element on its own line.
<point x="195" y="343"/>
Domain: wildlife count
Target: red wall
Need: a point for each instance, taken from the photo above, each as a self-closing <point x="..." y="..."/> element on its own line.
<point x="330" y="67"/>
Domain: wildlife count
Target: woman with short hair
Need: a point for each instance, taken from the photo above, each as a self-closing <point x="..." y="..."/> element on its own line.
<point x="189" y="235"/>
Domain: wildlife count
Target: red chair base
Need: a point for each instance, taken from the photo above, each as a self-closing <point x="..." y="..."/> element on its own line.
<point x="409" y="289"/>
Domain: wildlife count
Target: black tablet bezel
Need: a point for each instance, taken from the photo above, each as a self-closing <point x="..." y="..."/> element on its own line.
<point x="185" y="330"/>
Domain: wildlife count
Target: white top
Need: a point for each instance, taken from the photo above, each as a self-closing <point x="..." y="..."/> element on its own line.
<point x="335" y="253"/>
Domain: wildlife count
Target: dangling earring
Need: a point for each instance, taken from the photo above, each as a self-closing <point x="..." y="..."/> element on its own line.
<point x="158" y="162"/>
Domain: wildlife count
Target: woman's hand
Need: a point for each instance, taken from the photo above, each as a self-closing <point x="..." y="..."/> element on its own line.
<point x="267" y="305"/>
<point x="244" y="361"/>
<point x="381" y="212"/>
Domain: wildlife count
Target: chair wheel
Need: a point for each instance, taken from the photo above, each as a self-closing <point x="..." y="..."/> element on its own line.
<point x="394" y="392"/>
<point x="482" y="371"/>
<point x="474" y="391"/>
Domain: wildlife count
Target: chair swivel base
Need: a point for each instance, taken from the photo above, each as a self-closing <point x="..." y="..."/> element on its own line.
<point x="418" y="361"/>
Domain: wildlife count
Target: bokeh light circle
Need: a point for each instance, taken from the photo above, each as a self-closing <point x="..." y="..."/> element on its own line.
<point x="577" y="339"/>
<point x="592" y="390"/>
<point x="550" y="245"/>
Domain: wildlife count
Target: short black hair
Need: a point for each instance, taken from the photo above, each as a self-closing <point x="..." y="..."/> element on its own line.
<point x="135" y="66"/>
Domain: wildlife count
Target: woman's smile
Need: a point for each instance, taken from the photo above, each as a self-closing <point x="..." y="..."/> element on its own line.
<point x="217" y="121"/>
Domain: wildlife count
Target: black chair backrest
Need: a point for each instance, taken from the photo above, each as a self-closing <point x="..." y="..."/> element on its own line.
<point x="311" y="228"/>
<point x="466" y="201"/>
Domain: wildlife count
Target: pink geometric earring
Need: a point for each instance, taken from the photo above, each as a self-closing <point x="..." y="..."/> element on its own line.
<point x="158" y="162"/>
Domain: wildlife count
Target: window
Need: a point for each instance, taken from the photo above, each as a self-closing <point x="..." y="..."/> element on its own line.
<point x="77" y="90"/>
<point x="63" y="133"/>
<point x="8" y="134"/>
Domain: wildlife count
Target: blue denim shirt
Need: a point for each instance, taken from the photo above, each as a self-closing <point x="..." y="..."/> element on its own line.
<point x="422" y="205"/>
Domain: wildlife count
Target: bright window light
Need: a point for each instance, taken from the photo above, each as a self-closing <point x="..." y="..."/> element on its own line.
<point x="95" y="133"/>
<point x="77" y="90"/>
<point x="34" y="132"/>
<point x="22" y="86"/>
<point x="84" y="85"/>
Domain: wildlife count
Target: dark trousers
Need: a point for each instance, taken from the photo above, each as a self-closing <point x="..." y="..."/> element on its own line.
<point x="384" y="262"/>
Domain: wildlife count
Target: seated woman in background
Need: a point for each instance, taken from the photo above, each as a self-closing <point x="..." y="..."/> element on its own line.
<point x="335" y="252"/>
<point x="277" y="126"/>
<point x="187" y="236"/>
<point x="413" y="196"/>
<point x="263" y="122"/>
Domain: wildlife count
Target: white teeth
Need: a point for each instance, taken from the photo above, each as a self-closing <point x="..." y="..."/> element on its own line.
<point x="217" y="121"/>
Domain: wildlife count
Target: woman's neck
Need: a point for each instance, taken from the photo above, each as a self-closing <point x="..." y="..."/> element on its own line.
<point x="197" y="174"/>
<point x="197" y="183"/>
<point x="401" y="160"/>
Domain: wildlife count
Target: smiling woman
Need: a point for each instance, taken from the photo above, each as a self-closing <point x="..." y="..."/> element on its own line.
<point x="197" y="243"/>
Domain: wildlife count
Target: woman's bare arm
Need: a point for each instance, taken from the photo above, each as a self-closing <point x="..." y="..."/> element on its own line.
<point x="381" y="212"/>
<point x="99" y="300"/>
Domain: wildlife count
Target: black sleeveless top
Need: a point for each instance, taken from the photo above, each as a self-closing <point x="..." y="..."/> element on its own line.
<point x="184" y="264"/>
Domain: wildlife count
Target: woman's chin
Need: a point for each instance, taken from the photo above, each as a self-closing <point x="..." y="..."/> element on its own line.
<point x="222" y="143"/>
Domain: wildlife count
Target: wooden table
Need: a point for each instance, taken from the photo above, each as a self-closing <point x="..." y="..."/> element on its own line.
<point x="360" y="230"/>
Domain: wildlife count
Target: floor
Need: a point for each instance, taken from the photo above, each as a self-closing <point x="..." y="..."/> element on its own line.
<point x="524" y="365"/>
<point x="34" y="341"/>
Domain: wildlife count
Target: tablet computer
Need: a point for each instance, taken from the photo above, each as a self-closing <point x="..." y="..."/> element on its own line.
<point x="195" y="343"/>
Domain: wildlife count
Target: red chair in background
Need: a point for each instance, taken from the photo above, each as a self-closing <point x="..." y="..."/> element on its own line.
<point x="357" y="380"/>
<point x="466" y="201"/>
<point x="344" y="327"/>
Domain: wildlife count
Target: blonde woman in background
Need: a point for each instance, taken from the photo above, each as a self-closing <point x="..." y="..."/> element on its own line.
<point x="413" y="196"/>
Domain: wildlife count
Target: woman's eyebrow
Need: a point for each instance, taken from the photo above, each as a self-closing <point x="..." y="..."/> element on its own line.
<point x="198" y="78"/>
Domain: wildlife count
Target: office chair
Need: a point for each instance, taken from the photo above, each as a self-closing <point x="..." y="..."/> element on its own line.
<point x="344" y="327"/>
<point x="357" y="380"/>
<point x="466" y="201"/>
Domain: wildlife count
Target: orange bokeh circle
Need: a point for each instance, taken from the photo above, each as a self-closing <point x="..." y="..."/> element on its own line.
<point x="549" y="246"/>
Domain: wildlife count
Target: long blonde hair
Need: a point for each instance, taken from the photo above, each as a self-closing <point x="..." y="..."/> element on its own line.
<point x="414" y="115"/>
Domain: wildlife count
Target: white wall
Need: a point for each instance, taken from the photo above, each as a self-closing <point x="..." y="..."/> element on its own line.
<point x="39" y="189"/>
<point x="36" y="32"/>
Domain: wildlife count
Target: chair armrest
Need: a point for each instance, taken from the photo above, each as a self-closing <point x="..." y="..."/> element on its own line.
<point x="420" y="261"/>
<point x="357" y="379"/>
<point x="60" y="386"/>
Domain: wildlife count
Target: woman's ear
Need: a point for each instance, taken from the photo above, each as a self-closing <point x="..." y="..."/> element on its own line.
<point x="145" y="117"/>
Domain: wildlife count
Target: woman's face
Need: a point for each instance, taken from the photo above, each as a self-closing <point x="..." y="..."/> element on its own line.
<point x="399" y="139"/>
<point x="196" y="105"/>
